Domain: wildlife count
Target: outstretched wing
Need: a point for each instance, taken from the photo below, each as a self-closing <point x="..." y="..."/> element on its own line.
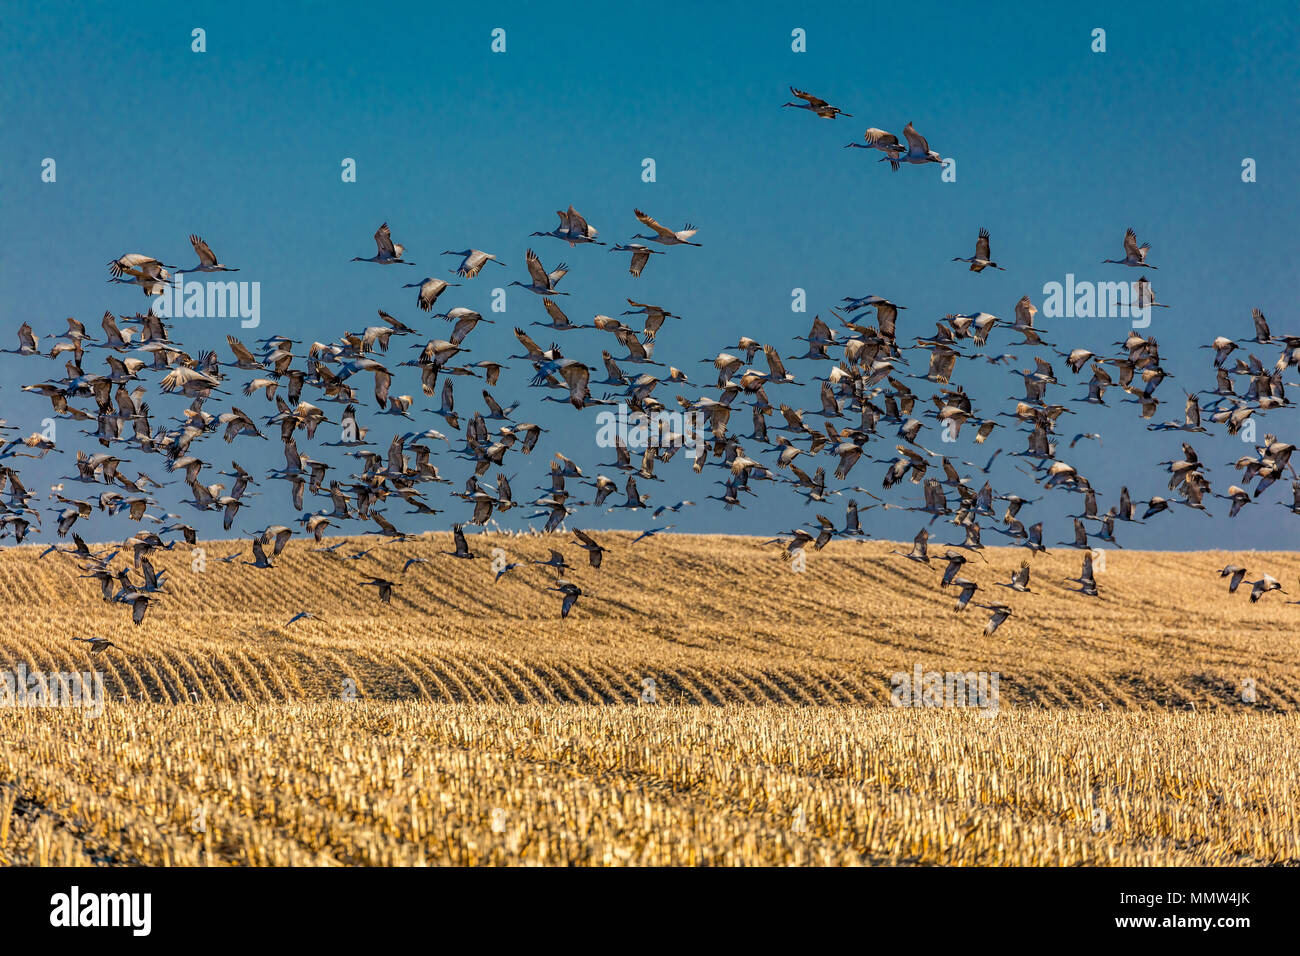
<point x="526" y="341"/>
<point x="650" y="221"/>
<point x="814" y="101"/>
<point x="535" y="269"/>
<point x="204" y="253"/>
<point x="384" y="240"/>
<point x="915" y="141"/>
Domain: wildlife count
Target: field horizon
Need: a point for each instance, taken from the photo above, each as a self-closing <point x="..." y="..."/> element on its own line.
<point x="710" y="619"/>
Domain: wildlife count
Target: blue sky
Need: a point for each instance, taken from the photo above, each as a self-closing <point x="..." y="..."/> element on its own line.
<point x="1058" y="149"/>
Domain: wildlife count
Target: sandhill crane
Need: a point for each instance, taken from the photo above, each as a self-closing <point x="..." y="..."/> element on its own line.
<point x="138" y="266"/>
<point x="27" y="342"/>
<point x="1237" y="573"/>
<point x="1155" y="505"/>
<point x="1145" y="298"/>
<point x="595" y="552"/>
<point x="555" y="560"/>
<point x="385" y="587"/>
<point x="389" y="253"/>
<point x="430" y="289"/>
<point x="1265" y="584"/>
<point x="663" y="234"/>
<point x="573" y="229"/>
<point x="794" y="547"/>
<point x="260" y="559"/>
<point x="635" y="500"/>
<point x="981" y="261"/>
<point x="968" y="589"/>
<point x="815" y="104"/>
<point x="1134" y="255"/>
<point x="1223" y="347"/>
<point x="139" y="602"/>
<point x="462" y="546"/>
<point x="1019" y="579"/>
<point x="576" y="377"/>
<point x="97" y="644"/>
<point x="1000" y="613"/>
<point x="887" y="143"/>
<point x="918" y="149"/>
<point x="920" y="550"/>
<point x="654" y="318"/>
<point x="153" y="280"/>
<point x="1080" y="534"/>
<point x="1262" y="335"/>
<point x="472" y="262"/>
<point x="207" y="259"/>
<point x="1239" y="497"/>
<point x="190" y="382"/>
<point x="543" y="282"/>
<point x="559" y="321"/>
<point x="571" y="594"/>
<point x="640" y="256"/>
<point x="43" y="444"/>
<point x="651" y="532"/>
<point x="1086" y="581"/>
<point x="955" y="561"/>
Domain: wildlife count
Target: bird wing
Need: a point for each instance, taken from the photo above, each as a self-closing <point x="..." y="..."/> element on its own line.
<point x="526" y="341"/>
<point x="384" y="240"/>
<point x="578" y="224"/>
<point x="577" y="377"/>
<point x="1025" y="313"/>
<point x="473" y="264"/>
<point x="813" y="101"/>
<point x="650" y="221"/>
<point x="879" y="138"/>
<point x="915" y="141"/>
<point x="540" y="278"/>
<point x="1131" y="245"/>
<point x="555" y="312"/>
<point x="241" y="351"/>
<point x="204" y="253"/>
<point x="639" y="258"/>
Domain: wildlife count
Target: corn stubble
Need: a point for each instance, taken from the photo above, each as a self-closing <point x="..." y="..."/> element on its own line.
<point x="487" y="731"/>
<point x="401" y="783"/>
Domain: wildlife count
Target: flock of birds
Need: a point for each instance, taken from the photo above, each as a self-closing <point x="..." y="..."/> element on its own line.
<point x="864" y="397"/>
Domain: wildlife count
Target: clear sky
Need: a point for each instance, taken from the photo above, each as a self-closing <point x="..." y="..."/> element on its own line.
<point x="1058" y="150"/>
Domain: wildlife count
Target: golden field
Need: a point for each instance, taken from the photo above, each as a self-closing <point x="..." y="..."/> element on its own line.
<point x="409" y="784"/>
<point x="466" y="723"/>
<point x="711" y="619"/>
